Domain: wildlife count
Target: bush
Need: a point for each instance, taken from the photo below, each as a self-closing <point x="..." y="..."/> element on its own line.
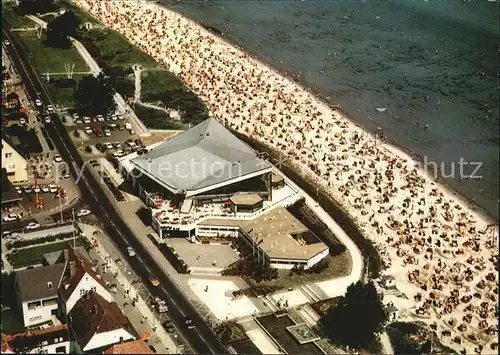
<point x="48" y="239"/>
<point x="88" y="149"/>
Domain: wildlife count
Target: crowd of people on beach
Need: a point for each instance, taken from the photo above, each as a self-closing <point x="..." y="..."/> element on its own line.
<point x="443" y="253"/>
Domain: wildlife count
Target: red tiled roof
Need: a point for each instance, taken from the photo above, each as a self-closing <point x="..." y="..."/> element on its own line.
<point x="92" y="314"/>
<point x="131" y="347"/>
<point x="33" y="338"/>
<point x="83" y="266"/>
<point x="5" y="343"/>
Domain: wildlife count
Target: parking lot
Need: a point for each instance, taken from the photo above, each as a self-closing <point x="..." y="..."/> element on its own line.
<point x="102" y="135"/>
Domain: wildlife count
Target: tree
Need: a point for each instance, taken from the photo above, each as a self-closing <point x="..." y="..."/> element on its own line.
<point x="95" y="96"/>
<point x="61" y="28"/>
<point x="357" y="319"/>
<point x="36" y="6"/>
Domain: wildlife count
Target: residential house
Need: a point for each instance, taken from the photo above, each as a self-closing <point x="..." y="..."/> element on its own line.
<point x="53" y="340"/>
<point x="392" y="312"/>
<point x="97" y="323"/>
<point x="130" y="347"/>
<point x="13" y="161"/>
<point x="79" y="278"/>
<point x="37" y="293"/>
<point x="10" y="196"/>
<point x="388" y="281"/>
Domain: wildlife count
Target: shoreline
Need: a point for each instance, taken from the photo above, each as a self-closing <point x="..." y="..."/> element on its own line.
<point x="487" y="215"/>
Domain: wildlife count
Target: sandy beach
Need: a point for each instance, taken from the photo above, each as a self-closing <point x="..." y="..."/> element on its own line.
<point x="442" y="252"/>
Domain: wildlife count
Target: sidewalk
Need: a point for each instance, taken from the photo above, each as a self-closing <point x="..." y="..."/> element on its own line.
<point x="141" y="317"/>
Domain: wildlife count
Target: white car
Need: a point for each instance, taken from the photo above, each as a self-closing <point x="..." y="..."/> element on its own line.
<point x="130" y="143"/>
<point x="11" y="217"/>
<point x="119" y="153"/>
<point x="57" y="158"/>
<point x="130" y="251"/>
<point x="78" y="121"/>
<point x="114" y="117"/>
<point x="83" y="213"/>
<point x="50" y="108"/>
<point x="7" y="43"/>
<point x="120" y="117"/>
<point x="108" y="145"/>
<point x="75" y="116"/>
<point x="86" y="120"/>
<point x="22" y="121"/>
<point x="88" y="130"/>
<point x="19" y="190"/>
<point x="47" y="119"/>
<point x="53" y="189"/>
<point x="100" y="118"/>
<point x="107" y="133"/>
<point x="45" y="189"/>
<point x="38" y="102"/>
<point x="33" y="225"/>
<point x="117" y="145"/>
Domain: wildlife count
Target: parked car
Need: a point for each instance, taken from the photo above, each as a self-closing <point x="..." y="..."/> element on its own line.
<point x="33" y="225"/>
<point x="83" y="213"/>
<point x="7" y="43"/>
<point x="22" y="121"/>
<point x="138" y="142"/>
<point x="130" y="143"/>
<point x="78" y="121"/>
<point x="76" y="116"/>
<point x="161" y="305"/>
<point x="50" y="108"/>
<point x="94" y="162"/>
<point x="132" y="132"/>
<point x="119" y="153"/>
<point x="121" y="127"/>
<point x="120" y="117"/>
<point x="36" y="188"/>
<point x="45" y="189"/>
<point x="57" y="158"/>
<point x="154" y="281"/>
<point x="107" y="133"/>
<point x="38" y="102"/>
<point x="19" y="190"/>
<point x="113" y="126"/>
<point x="86" y="119"/>
<point x="117" y="145"/>
<point x="65" y="174"/>
<point x="108" y="145"/>
<point x="11" y="217"/>
<point x="114" y="117"/>
<point x="100" y="147"/>
<point x="88" y="130"/>
<point x="27" y="190"/>
<point x="94" y="119"/>
<point x="100" y="118"/>
<point x="169" y="327"/>
<point x="47" y="119"/>
<point x="130" y="251"/>
<point x="52" y="188"/>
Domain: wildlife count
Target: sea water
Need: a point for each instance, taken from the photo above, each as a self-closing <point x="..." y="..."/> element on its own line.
<point x="432" y="64"/>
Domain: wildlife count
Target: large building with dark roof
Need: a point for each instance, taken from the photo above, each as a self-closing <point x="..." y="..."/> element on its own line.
<point x="9" y="194"/>
<point x="97" y="323"/>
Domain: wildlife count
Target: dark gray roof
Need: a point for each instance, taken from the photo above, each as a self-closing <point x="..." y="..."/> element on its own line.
<point x="203" y="156"/>
<point x="9" y="193"/>
<point x="33" y="284"/>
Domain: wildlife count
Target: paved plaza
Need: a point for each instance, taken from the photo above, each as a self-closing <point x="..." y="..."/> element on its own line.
<point x="204" y="255"/>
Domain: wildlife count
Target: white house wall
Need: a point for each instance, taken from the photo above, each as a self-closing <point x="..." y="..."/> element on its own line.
<point x="87" y="283"/>
<point x="317" y="258"/>
<point x="51" y="349"/>
<point x="38" y="315"/>
<point x="108" y="338"/>
<point x="15" y="163"/>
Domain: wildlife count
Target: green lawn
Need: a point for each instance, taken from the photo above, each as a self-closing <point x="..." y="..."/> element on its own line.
<point x="14" y="19"/>
<point x="49" y="59"/>
<point x="61" y="94"/>
<point x="30" y="256"/>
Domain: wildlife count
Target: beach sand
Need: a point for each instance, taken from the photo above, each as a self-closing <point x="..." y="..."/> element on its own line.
<point x="442" y="252"/>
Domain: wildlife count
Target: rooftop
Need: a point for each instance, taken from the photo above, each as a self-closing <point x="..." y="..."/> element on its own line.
<point x="130" y="347"/>
<point x="39" y="283"/>
<point x="282" y="236"/>
<point x="204" y="156"/>
<point x="92" y="314"/>
<point x="246" y="199"/>
<point x="23" y="342"/>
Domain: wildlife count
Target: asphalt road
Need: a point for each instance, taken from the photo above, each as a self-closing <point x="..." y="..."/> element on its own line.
<point x="201" y="339"/>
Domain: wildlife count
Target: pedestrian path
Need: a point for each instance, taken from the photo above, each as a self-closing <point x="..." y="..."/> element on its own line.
<point x="141" y="316"/>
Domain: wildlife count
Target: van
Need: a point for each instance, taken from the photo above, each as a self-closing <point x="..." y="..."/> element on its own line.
<point x="128" y="126"/>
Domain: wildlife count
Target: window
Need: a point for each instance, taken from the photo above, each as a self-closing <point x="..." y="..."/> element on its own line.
<point x="93" y="288"/>
<point x="82" y="292"/>
<point x="34" y="305"/>
<point x="8" y="155"/>
<point x="11" y="166"/>
<point x="61" y="350"/>
<point x="50" y="285"/>
<point x="43" y="351"/>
